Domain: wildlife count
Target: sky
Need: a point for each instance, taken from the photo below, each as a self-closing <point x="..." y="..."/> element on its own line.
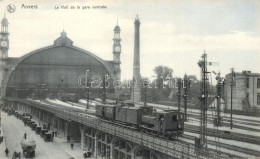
<point x="173" y="33"/>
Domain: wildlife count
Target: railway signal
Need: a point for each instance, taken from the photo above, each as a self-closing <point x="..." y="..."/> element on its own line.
<point x="186" y="89"/>
<point x="231" y="96"/>
<point x="219" y="86"/>
<point x="203" y="97"/>
<point x="179" y="84"/>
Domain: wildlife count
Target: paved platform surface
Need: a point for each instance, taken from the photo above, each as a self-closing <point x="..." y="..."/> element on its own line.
<point x="14" y="130"/>
<point x="2" y="145"/>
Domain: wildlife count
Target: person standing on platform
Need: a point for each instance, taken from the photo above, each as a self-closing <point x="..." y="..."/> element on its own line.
<point x="85" y="155"/>
<point x="71" y="145"/>
<point x="1" y="139"/>
<point x="6" y="152"/>
<point x="52" y="135"/>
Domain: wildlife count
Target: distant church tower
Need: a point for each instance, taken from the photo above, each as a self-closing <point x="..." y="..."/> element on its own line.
<point x="116" y="58"/>
<point x="4" y="46"/>
<point x="136" y="90"/>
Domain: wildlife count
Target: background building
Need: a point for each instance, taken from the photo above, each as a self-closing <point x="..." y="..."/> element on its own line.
<point x="246" y="90"/>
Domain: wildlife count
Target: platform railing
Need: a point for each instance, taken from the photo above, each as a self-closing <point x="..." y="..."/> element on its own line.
<point x="175" y="149"/>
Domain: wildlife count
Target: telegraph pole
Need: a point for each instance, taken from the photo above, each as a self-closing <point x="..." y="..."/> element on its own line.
<point x="179" y="83"/>
<point x="186" y="84"/>
<point x="231" y="97"/>
<point x="218" y="97"/>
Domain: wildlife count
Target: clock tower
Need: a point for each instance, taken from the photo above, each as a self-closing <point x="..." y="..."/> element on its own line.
<point x="117" y="52"/>
<point x="4" y="46"/>
<point x="4" y="41"/>
<point x="116" y="61"/>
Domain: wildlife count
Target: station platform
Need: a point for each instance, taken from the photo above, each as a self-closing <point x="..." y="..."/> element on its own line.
<point x="75" y="153"/>
<point x="2" y="145"/>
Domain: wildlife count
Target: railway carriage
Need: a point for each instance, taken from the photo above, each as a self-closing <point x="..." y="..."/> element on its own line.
<point x="129" y="115"/>
<point x="106" y="111"/>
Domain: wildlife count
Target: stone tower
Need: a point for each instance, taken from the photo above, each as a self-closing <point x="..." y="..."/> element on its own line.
<point x="136" y="89"/>
<point x="4" y="46"/>
<point x="116" y="60"/>
<point x="117" y="52"/>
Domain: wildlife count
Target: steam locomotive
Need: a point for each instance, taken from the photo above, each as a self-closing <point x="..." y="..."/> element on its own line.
<point x="165" y="123"/>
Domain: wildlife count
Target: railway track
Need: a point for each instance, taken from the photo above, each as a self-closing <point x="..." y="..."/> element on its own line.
<point x="225" y="135"/>
<point x="221" y="155"/>
<point x="227" y="119"/>
<point x="227" y="146"/>
<point x="210" y="120"/>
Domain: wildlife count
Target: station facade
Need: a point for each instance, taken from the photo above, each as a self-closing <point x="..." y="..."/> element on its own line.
<point x="56" y="68"/>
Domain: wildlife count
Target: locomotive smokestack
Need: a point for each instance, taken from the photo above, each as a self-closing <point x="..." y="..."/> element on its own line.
<point x="136" y="90"/>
